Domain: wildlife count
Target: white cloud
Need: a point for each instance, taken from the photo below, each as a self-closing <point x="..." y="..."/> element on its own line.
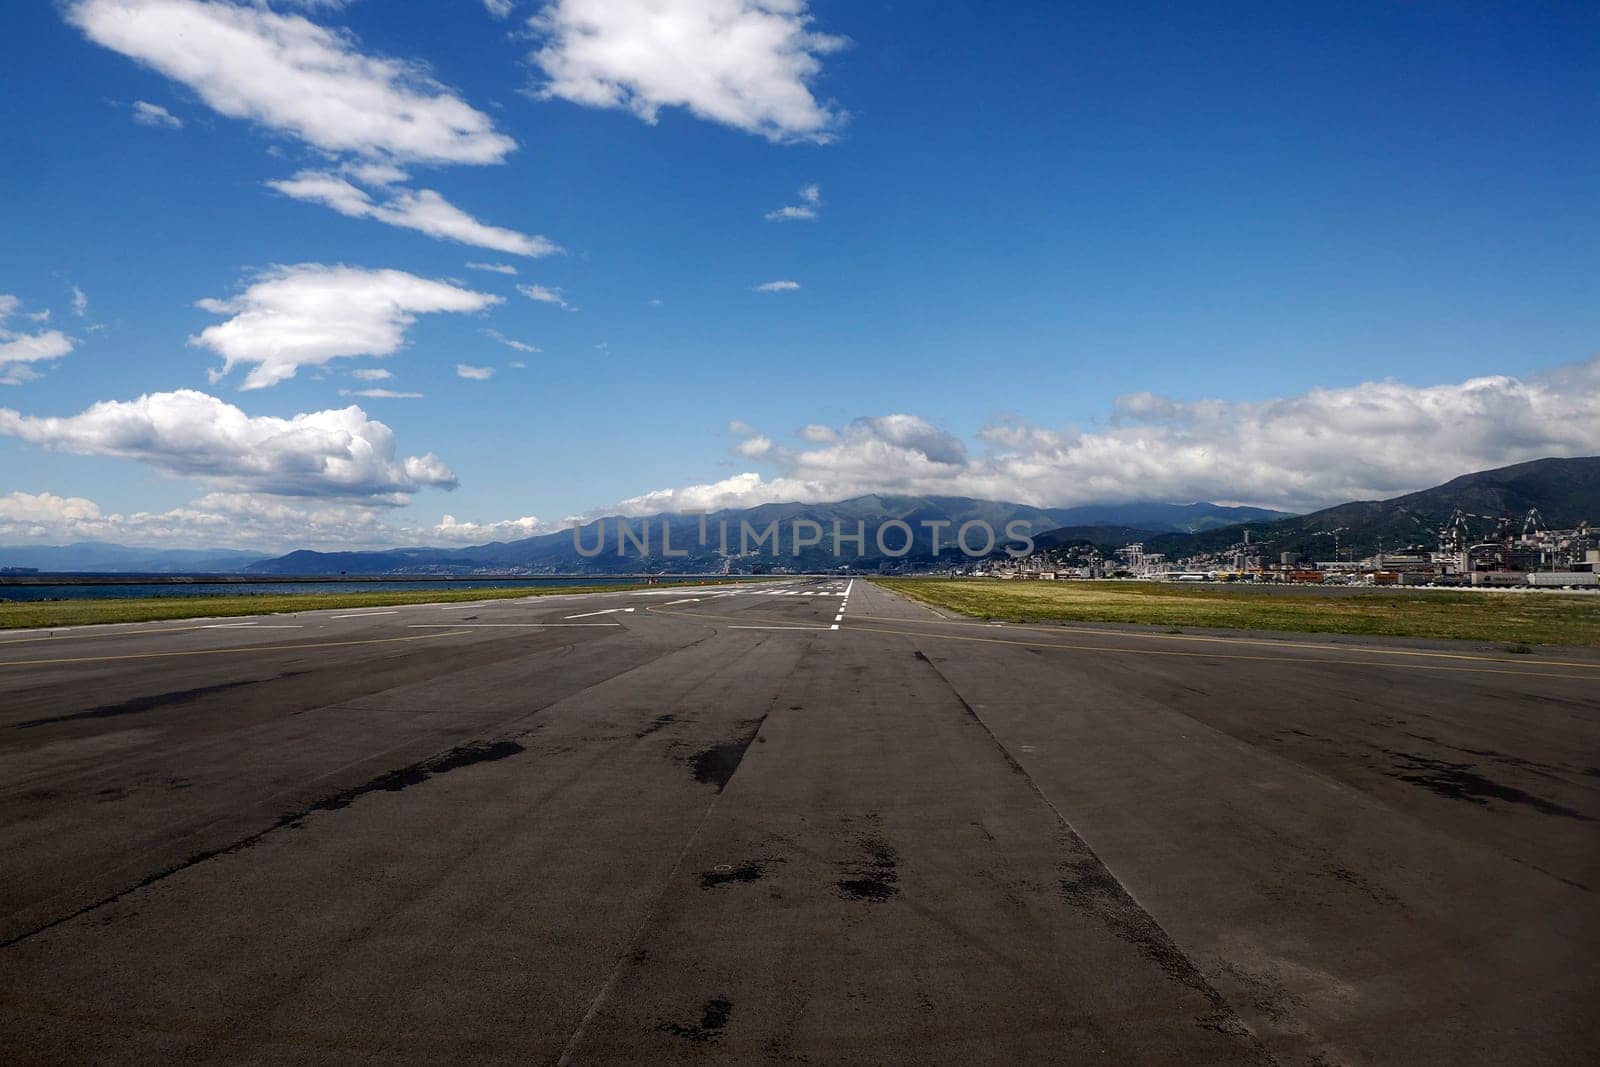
<point x="748" y="64"/>
<point x="371" y="374"/>
<point x="370" y="173"/>
<point x="19" y="351"/>
<point x="520" y="346"/>
<point x="306" y="315"/>
<point x="31" y="348"/>
<point x="777" y="287"/>
<point x="499" y="9"/>
<point x="296" y="77"/>
<point x="806" y="210"/>
<point x="245" y="521"/>
<point x="497" y="268"/>
<point x="1322" y="447"/>
<point x="189" y="434"/>
<point x="148" y="114"/>
<point x="22" y="509"/>
<point x="422" y="210"/>
<point x="80" y="302"/>
<point x="545" y="295"/>
<point x="474" y="374"/>
<point x="517" y="364"/>
<point x="215" y="520"/>
<point x="475" y="533"/>
<point x="380" y="394"/>
<point x="754" y="447"/>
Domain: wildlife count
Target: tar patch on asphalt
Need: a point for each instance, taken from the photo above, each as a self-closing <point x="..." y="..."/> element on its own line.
<point x="716" y="765"/>
<point x="660" y="722"/>
<point x="1459" y="781"/>
<point x="725" y="873"/>
<point x="417" y="773"/>
<point x="136" y="706"/>
<point x="713" y="1017"/>
<point x="874" y="878"/>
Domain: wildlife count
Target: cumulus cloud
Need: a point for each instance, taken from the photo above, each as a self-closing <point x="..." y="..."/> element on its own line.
<point x="805" y="210"/>
<point x="545" y="295"/>
<point x="1322" y="447"/>
<point x="148" y="114"/>
<point x="20" y="509"/>
<point x="422" y="210"/>
<point x="777" y="287"/>
<point x="189" y="434"/>
<point x="245" y="521"/>
<point x="496" y="268"/>
<point x="474" y="374"/>
<point x="215" y="520"/>
<point x="295" y="77"/>
<point x="749" y="64"/>
<point x="306" y="315"/>
<point x="20" y="351"/>
<point x="499" y="9"/>
<point x="451" y="529"/>
<point x="754" y="447"/>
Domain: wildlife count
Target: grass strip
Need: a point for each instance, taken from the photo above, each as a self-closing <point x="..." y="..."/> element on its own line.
<point x="1511" y="619"/>
<point x="42" y="614"/>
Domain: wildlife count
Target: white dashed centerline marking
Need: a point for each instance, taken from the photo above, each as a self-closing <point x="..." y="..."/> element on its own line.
<point x="504" y="625"/>
<point x="779" y="627"/>
<point x="366" y="614"/>
<point x="592" y="614"/>
<point x="257" y="625"/>
<point x="844" y="600"/>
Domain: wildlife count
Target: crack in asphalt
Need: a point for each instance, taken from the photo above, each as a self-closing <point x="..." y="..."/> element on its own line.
<point x="1089" y="884"/>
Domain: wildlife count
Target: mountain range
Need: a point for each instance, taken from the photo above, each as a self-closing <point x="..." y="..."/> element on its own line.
<point x="1565" y="492"/>
<point x="104" y="557"/>
<point x="558" y="553"/>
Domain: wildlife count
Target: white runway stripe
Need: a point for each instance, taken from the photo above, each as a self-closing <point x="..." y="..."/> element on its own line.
<point x="510" y="625"/>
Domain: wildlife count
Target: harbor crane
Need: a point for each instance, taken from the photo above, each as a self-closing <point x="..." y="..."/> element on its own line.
<point x="1333" y="533"/>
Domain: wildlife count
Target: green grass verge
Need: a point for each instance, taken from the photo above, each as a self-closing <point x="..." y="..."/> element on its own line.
<point x="1505" y="618"/>
<point x="44" y="614"/>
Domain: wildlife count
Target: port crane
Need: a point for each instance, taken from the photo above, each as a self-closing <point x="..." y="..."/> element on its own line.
<point x="1333" y="533"/>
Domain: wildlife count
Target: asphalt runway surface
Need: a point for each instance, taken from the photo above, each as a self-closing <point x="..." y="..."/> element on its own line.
<point x="783" y="823"/>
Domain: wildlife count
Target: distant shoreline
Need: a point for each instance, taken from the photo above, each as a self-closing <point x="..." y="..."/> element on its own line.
<point x="79" y="578"/>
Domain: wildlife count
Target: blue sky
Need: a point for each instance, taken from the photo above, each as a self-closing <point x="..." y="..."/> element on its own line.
<point x="1054" y="253"/>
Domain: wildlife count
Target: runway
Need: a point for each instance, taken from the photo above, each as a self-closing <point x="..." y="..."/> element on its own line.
<point x="807" y="820"/>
